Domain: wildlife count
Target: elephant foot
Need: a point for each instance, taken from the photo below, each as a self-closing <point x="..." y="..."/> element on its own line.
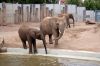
<point x="30" y="52"/>
<point x="55" y="46"/>
<point x="35" y="51"/>
<point x="50" y="42"/>
<point x="25" y="47"/>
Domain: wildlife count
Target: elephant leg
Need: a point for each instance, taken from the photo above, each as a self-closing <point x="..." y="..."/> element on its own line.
<point x="45" y="40"/>
<point x="44" y="43"/>
<point x="24" y="44"/>
<point x="73" y="23"/>
<point x="56" y="43"/>
<point x="69" y="24"/>
<point x="30" y="45"/>
<point x="56" y="34"/>
<point x="50" y="39"/>
<point x="34" y="45"/>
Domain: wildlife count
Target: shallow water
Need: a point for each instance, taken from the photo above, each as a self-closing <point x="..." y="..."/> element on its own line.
<point x="34" y="60"/>
<point x="27" y="60"/>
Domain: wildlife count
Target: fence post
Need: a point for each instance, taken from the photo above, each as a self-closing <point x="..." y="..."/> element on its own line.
<point x="30" y="18"/>
<point x="27" y="10"/>
<point x="47" y="11"/>
<point x="16" y="17"/>
<point x="22" y="13"/>
<point x="33" y="13"/>
<point x="0" y="16"/>
<point x="42" y="11"/>
<point x="3" y="12"/>
<point x="65" y="8"/>
<point x="36" y="14"/>
<point x="52" y="12"/>
<point x="19" y="14"/>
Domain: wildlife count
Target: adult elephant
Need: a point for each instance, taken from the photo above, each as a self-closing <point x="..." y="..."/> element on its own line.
<point x="30" y="34"/>
<point x="53" y="26"/>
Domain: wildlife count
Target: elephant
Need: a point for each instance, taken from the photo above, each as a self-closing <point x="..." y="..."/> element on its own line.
<point x="2" y="48"/>
<point x="72" y="17"/>
<point x="68" y="16"/>
<point x="52" y="26"/>
<point x="30" y="34"/>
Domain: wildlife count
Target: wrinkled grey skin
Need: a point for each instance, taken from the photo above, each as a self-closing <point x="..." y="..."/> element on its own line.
<point x="30" y="35"/>
<point x="52" y="26"/>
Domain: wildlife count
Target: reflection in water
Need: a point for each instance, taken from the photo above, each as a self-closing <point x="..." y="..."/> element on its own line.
<point x="27" y="60"/>
<point x="77" y="62"/>
<point x="33" y="60"/>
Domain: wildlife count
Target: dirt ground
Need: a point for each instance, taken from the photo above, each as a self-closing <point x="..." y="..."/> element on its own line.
<point x="81" y="37"/>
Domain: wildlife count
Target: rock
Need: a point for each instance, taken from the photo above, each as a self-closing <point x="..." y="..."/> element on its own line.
<point x="4" y="49"/>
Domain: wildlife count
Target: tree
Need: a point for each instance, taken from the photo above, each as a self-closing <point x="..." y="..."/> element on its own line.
<point x="89" y="4"/>
<point x="92" y="4"/>
<point x="76" y="2"/>
<point x="97" y="4"/>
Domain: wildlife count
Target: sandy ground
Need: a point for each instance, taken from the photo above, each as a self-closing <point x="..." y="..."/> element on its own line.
<point x="81" y="37"/>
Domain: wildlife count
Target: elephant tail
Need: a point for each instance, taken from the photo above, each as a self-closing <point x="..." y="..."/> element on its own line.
<point x="2" y="44"/>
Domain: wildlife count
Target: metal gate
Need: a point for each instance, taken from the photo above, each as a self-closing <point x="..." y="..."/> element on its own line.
<point x="97" y="15"/>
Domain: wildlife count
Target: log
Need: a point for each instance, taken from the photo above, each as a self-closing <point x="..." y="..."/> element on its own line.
<point x="89" y="22"/>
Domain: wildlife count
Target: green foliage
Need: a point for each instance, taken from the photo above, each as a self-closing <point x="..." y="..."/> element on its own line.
<point x="76" y="2"/>
<point x="89" y="4"/>
<point x="97" y="4"/>
<point x="92" y="4"/>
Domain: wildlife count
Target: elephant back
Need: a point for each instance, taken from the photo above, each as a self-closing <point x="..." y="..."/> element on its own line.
<point x="46" y="26"/>
<point x="23" y="30"/>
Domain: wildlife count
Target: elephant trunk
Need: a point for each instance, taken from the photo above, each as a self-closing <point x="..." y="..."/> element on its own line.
<point x="61" y="31"/>
<point x="60" y="35"/>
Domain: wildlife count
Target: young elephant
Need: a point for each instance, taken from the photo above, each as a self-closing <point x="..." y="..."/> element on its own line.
<point x="30" y="35"/>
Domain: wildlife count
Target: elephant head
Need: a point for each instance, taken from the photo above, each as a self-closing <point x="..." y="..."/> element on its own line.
<point x="61" y="24"/>
<point x="63" y="21"/>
